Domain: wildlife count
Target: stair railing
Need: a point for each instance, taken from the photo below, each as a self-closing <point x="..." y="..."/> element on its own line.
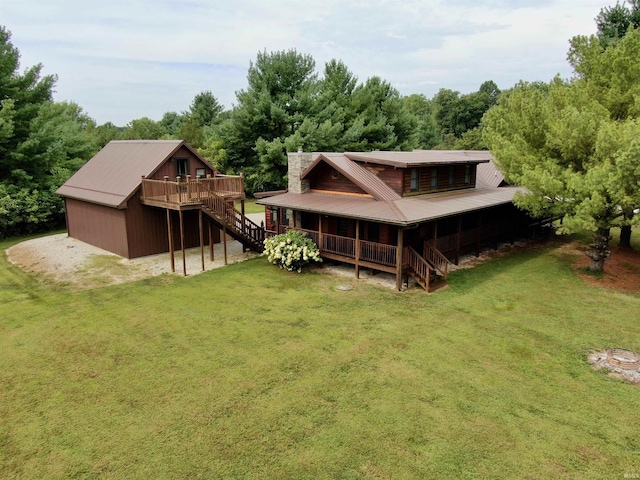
<point x="234" y="219"/>
<point x="437" y="259"/>
<point x="417" y="265"/>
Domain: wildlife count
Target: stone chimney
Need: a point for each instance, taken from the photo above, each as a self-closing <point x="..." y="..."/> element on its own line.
<point x="298" y="163"/>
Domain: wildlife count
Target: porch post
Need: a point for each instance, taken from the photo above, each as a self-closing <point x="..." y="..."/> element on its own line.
<point x="357" y="248"/>
<point x="399" y="253"/>
<point x="435" y="234"/>
<point x="459" y="235"/>
<point x="184" y="258"/>
<point x="201" y="238"/>
<point x="170" y="233"/>
<point x="320" y="232"/>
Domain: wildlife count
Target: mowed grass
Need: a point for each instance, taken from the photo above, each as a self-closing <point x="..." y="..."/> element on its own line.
<point x="252" y="372"/>
<point x="250" y="206"/>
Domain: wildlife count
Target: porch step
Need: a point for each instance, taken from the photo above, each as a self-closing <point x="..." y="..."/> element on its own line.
<point x="438" y="283"/>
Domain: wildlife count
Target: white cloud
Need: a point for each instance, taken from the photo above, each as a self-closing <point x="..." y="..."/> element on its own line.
<point x="122" y="59"/>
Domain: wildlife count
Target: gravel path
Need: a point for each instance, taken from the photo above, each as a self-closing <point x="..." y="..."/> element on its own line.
<point x="67" y="260"/>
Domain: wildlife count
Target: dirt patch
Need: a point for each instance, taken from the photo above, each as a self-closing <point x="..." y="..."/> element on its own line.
<point x="621" y="269"/>
<point x="62" y="259"/>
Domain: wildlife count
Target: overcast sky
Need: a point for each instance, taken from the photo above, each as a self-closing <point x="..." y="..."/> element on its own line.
<point x="126" y="59"/>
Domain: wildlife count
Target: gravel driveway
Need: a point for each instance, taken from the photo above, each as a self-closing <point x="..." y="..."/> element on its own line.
<point x="66" y="260"/>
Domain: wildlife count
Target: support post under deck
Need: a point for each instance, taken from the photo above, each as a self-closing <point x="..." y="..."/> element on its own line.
<point x="224" y="237"/>
<point x="211" y="254"/>
<point x="201" y="238"/>
<point x="171" y="248"/>
<point x="184" y="258"/>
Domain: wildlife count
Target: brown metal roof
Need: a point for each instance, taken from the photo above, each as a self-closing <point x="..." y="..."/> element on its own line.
<point x="114" y="173"/>
<point x="359" y="175"/>
<point x="405" y="211"/>
<point x="418" y="158"/>
<point x="488" y="175"/>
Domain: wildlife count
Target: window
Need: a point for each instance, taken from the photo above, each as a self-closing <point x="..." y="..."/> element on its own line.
<point x="434" y="177"/>
<point x="373" y="232"/>
<point x="200" y="172"/>
<point x="286" y="216"/>
<point x="343" y="227"/>
<point x="452" y="176"/>
<point x="274" y="215"/>
<point x="415" y="180"/>
<point x="467" y="174"/>
<point x="182" y="167"/>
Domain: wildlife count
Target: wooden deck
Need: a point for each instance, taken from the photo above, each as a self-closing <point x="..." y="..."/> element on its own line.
<point x="378" y="256"/>
<point x="188" y="194"/>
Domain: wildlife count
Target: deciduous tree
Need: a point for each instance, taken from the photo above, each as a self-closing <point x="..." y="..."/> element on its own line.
<point x="41" y="144"/>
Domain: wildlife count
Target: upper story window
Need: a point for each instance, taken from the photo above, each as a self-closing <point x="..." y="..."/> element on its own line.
<point x="415" y="180"/>
<point x="452" y="175"/>
<point x="200" y="172"/>
<point x="434" y="177"/>
<point x="467" y="174"/>
<point x="182" y="167"/>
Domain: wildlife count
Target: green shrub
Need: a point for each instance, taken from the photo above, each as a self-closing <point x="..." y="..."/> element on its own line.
<point x="291" y="250"/>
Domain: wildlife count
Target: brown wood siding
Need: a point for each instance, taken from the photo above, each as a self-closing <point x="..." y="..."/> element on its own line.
<point x="103" y="227"/>
<point x="268" y="217"/>
<point x="393" y="177"/>
<point x="322" y="178"/>
<point x="146" y="228"/>
<point x="169" y="167"/>
<point x="424" y="174"/>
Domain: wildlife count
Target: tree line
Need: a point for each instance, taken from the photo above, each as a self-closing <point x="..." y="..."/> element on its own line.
<point x="287" y="105"/>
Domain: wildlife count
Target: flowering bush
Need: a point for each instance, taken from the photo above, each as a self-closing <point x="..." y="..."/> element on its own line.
<point x="291" y="250"/>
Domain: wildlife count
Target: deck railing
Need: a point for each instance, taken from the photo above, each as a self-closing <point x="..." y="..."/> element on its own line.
<point x="187" y="191"/>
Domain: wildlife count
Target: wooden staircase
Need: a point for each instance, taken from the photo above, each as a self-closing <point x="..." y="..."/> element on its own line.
<point x="430" y="271"/>
<point x="224" y="214"/>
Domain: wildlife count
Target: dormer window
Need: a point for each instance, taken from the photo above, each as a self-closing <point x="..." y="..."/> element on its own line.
<point x="452" y="176"/>
<point x="434" y="178"/>
<point x="467" y="174"/>
<point x="415" y="180"/>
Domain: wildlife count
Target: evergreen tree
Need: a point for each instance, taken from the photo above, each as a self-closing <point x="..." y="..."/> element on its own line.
<point x="41" y="144"/>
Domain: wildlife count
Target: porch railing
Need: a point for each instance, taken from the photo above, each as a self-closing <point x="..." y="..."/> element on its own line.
<point x="312" y="234"/>
<point x="378" y="253"/>
<point x="338" y="245"/>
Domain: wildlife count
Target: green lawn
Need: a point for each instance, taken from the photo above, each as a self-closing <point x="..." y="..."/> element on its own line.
<point x="250" y="206"/>
<point x="252" y="372"/>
